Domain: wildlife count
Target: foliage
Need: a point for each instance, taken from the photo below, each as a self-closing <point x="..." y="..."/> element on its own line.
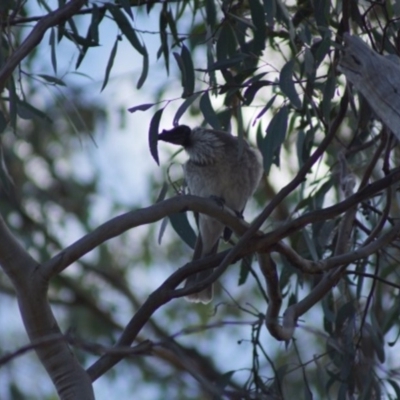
<point x="326" y="241"/>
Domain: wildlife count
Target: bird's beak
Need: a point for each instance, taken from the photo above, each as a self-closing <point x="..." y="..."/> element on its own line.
<point x="179" y="135"/>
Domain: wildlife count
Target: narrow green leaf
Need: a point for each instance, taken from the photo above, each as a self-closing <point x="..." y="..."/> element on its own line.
<point x="28" y="111"/>
<point x="153" y="134"/>
<point x="208" y="112"/>
<point x="183" y="107"/>
<point x="52" y="79"/>
<point x="127" y="7"/>
<point x="182" y="227"/>
<point x="110" y="63"/>
<point x="245" y="269"/>
<point x="211" y="12"/>
<point x="276" y="132"/>
<point x="287" y="85"/>
<point x="141" y="107"/>
<point x="258" y="18"/>
<point x="265" y="108"/>
<point x="226" y="43"/>
<point x="188" y="84"/>
<point x="164" y="49"/>
<point x="328" y="93"/>
<point x="232" y="62"/>
<point x="126" y="28"/>
<point x="6" y="179"/>
<point x="270" y="10"/>
<point x="52" y="42"/>
<point x="3" y="122"/>
<point x="13" y="103"/>
<point x="321" y="12"/>
<point x="97" y="16"/>
<point x="252" y="90"/>
<point x="145" y="71"/>
<point x="172" y="27"/>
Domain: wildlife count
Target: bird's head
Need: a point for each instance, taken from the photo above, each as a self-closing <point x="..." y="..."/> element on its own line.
<point x="179" y="135"/>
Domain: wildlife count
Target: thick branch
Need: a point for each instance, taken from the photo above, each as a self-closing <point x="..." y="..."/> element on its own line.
<point x="156" y="212"/>
<point x="25" y="274"/>
<point x="35" y="37"/>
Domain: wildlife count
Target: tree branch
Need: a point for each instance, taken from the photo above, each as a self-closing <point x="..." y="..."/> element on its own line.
<point x="36" y="35"/>
<point x="58" y="360"/>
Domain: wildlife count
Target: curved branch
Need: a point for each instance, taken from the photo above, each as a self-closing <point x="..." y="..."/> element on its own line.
<point x="36" y="35"/>
<point x="63" y="368"/>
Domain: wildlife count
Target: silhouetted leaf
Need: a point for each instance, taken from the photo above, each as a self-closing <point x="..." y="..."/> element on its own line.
<point x="141" y="107"/>
<point x="110" y="63"/>
<point x="208" y="112"/>
<point x="153" y="134"/>
<point x="234" y="61"/>
<point x="185" y="64"/>
<point x="321" y="12"/>
<point x="287" y="85"/>
<point x="183" y="107"/>
<point x="226" y="42"/>
<point x="329" y="92"/>
<point x="276" y="132"/>
<point x="52" y="79"/>
<point x="265" y="108"/>
<point x="145" y="71"/>
<point x="182" y="227"/>
<point x="210" y="12"/>
<point x="3" y="122"/>
<point x="127" y="7"/>
<point x="28" y="111"/>
<point x="270" y="10"/>
<point x="258" y="18"/>
<point x="245" y="266"/>
<point x="126" y="28"/>
<point x="52" y="42"/>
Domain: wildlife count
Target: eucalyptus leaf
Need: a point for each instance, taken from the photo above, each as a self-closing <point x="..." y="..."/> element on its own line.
<point x="153" y="134"/>
<point x="110" y="63"/>
<point x="287" y="85"/>
<point x="180" y="223"/>
<point x="208" y="112"/>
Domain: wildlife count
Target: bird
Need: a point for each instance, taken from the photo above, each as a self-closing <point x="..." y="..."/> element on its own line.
<point x="222" y="167"/>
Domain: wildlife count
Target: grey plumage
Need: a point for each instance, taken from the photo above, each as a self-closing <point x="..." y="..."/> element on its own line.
<point x="215" y="168"/>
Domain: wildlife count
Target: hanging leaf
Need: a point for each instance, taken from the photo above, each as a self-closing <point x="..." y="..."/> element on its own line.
<point x="245" y="266"/>
<point x="211" y="12"/>
<point x="126" y="28"/>
<point x="145" y="70"/>
<point x="153" y="134"/>
<point x="52" y="42"/>
<point x="270" y="10"/>
<point x="182" y="227"/>
<point x="185" y="64"/>
<point x="141" y="107"/>
<point x="328" y="93"/>
<point x="276" y="132"/>
<point x="265" y="108"/>
<point x="208" y="112"/>
<point x="127" y="7"/>
<point x="3" y="122"/>
<point x="52" y="79"/>
<point x="110" y="63"/>
<point x="287" y="85"/>
<point x="226" y="43"/>
<point x="260" y="31"/>
<point x="184" y="106"/>
<point x="28" y="111"/>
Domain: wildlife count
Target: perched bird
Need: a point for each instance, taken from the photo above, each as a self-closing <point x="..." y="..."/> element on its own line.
<point x="216" y="168"/>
